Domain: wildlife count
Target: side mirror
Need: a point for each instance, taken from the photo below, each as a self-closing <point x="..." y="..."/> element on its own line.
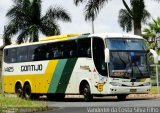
<point x="155" y="55"/>
<point x="106" y="52"/>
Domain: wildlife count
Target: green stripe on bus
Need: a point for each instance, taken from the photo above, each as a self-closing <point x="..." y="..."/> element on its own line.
<point x="67" y="72"/>
<point x="56" y="76"/>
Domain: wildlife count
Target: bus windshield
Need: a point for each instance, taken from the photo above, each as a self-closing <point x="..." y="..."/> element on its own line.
<point x="123" y="65"/>
<point x="128" y="58"/>
<point x="125" y="44"/>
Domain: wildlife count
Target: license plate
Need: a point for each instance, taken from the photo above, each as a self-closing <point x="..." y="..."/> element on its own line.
<point x="133" y="90"/>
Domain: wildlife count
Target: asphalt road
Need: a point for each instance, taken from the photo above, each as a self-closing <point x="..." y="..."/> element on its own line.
<point x="106" y="105"/>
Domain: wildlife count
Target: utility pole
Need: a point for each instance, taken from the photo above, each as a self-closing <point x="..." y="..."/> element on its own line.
<point x="92" y="20"/>
<point x="92" y="25"/>
<point x="156" y="47"/>
<point x="157" y="78"/>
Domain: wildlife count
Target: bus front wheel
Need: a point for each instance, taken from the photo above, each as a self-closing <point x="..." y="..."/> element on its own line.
<point x="87" y="93"/>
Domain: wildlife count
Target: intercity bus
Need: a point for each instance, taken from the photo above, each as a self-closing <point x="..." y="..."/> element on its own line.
<point x="89" y="65"/>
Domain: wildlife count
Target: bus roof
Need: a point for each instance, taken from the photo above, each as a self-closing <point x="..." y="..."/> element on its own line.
<point x="58" y="38"/>
<point x="116" y="35"/>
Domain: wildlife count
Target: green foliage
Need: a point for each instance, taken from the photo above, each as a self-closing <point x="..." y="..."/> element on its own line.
<point x="154" y="90"/>
<point x="134" y="16"/>
<point x="26" y="20"/>
<point x="92" y="7"/>
<point x="18" y="102"/>
<point x="131" y="17"/>
<point x="11" y="103"/>
<point x="0" y="85"/>
<point x="150" y="34"/>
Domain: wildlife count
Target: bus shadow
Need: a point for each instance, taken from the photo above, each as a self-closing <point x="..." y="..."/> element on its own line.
<point x="95" y="99"/>
<point x="103" y="100"/>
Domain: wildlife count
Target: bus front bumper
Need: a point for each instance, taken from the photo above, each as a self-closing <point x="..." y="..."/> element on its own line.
<point x="128" y="90"/>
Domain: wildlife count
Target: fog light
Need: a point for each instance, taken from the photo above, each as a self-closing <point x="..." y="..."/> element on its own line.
<point x="115" y="84"/>
<point x="111" y="89"/>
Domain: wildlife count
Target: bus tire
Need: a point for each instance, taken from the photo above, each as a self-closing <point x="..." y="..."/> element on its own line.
<point x="87" y="93"/>
<point x="18" y="90"/>
<point x="27" y="91"/>
<point x="121" y="97"/>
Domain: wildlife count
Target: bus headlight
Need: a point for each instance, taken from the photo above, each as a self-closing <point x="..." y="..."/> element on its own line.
<point x="147" y="84"/>
<point x="115" y="84"/>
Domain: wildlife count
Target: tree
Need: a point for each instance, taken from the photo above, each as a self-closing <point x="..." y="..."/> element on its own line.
<point x="134" y="16"/>
<point x="150" y="34"/>
<point x="26" y="20"/>
<point x="128" y="18"/>
<point x="92" y="8"/>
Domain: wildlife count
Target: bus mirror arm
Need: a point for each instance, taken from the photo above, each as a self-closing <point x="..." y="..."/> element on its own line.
<point x="106" y="51"/>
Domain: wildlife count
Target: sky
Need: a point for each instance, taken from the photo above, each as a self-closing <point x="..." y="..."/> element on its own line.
<point x="107" y="20"/>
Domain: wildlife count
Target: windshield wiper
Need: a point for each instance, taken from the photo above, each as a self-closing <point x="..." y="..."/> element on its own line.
<point x="139" y="70"/>
<point x="121" y="59"/>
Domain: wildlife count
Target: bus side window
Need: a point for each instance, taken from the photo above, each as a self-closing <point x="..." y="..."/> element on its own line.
<point x="84" y="47"/>
<point x="69" y="49"/>
<point x="51" y="54"/>
<point x="22" y="54"/>
<point x="42" y="51"/>
<point x="63" y="50"/>
<point x="56" y="53"/>
<point x="72" y="53"/>
<point x="36" y="54"/>
<point x="32" y="54"/>
<point x="6" y="56"/>
<point x="13" y="55"/>
<point x="47" y="56"/>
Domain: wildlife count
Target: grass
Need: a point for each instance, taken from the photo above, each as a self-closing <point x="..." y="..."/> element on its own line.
<point x="0" y="84"/>
<point x="10" y="103"/>
<point x="154" y="90"/>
